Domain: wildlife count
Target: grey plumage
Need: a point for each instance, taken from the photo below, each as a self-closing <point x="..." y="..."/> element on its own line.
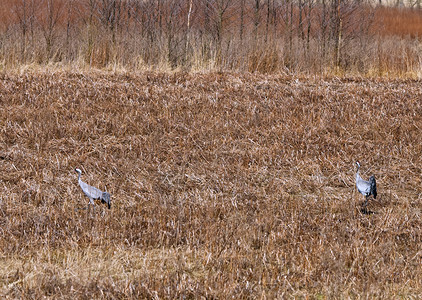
<point x="92" y="192"/>
<point x="366" y="188"/>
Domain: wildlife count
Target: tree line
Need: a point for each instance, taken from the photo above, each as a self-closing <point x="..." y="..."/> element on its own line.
<point x="244" y="35"/>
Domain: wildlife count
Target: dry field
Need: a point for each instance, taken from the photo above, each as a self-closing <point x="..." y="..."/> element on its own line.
<point x="223" y="186"/>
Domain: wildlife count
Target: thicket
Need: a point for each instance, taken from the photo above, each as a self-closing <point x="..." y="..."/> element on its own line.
<point x="306" y="36"/>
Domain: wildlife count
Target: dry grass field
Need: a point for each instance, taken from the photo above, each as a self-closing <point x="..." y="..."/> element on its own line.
<point x="223" y="185"/>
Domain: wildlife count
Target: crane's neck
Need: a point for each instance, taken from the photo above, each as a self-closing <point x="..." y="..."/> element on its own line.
<point x="357" y="173"/>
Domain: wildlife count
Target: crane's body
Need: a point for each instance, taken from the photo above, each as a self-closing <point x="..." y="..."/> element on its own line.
<point x="92" y="192"/>
<point x="366" y="188"/>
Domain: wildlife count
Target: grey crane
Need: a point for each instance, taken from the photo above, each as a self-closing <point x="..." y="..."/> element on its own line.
<point x="366" y="188"/>
<point x="93" y="193"/>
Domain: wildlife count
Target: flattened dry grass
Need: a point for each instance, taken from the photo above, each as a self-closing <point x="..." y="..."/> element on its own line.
<point x="223" y="185"/>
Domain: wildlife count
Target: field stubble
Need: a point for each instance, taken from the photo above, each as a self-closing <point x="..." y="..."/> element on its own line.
<point x="223" y="185"/>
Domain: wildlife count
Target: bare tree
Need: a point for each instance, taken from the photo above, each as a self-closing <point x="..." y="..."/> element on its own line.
<point x="336" y="30"/>
<point x="301" y="4"/>
<point x="24" y="11"/>
<point x="308" y="16"/>
<point x="217" y="13"/>
<point x="70" y="6"/>
<point x="267" y="20"/>
<point x="324" y="25"/>
<point x="174" y="23"/>
<point x="188" y="24"/>
<point x="256" y="20"/>
<point x="48" y="19"/>
<point x="110" y="13"/>
<point x="242" y="20"/>
<point x="287" y="17"/>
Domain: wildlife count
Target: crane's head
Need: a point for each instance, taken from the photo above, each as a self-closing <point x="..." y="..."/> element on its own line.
<point x="358" y="165"/>
<point x="78" y="171"/>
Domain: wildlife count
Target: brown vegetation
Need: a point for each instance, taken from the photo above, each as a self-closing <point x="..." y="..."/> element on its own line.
<point x="223" y="185"/>
<point x="398" y="22"/>
<point x="289" y="37"/>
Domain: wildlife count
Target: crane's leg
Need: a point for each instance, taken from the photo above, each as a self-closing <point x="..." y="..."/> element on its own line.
<point x="366" y="202"/>
<point x="91" y="203"/>
<point x="364" y="209"/>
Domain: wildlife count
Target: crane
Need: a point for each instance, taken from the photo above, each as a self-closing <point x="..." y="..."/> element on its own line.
<point x="92" y="192"/>
<point x="366" y="188"/>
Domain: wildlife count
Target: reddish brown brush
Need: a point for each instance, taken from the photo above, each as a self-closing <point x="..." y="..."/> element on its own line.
<point x="402" y="22"/>
<point x="223" y="185"/>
